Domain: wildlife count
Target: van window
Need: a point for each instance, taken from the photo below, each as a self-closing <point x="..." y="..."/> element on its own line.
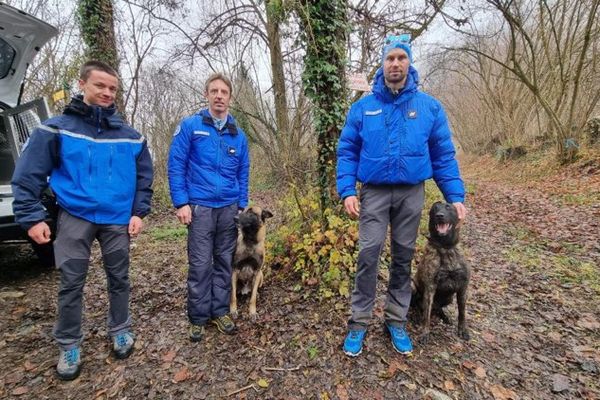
<point x="7" y="55"/>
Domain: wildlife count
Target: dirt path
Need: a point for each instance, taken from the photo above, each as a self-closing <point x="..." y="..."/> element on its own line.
<point x="534" y="312"/>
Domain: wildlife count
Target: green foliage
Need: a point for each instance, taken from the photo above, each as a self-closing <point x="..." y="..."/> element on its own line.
<point x="324" y="253"/>
<point x="95" y="19"/>
<point x="312" y="351"/>
<point x="324" y="30"/>
<point x="169" y="232"/>
<point x="323" y="257"/>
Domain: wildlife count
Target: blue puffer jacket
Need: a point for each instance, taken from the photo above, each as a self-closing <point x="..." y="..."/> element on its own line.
<point x="99" y="167"/>
<point x="402" y="139"/>
<point x="207" y="166"/>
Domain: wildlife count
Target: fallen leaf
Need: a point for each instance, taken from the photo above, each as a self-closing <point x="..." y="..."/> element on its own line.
<point x="468" y="364"/>
<point x="480" y="372"/>
<point x="20" y="390"/>
<point x="262" y="383"/>
<point x="488" y="337"/>
<point x="324" y="396"/>
<point x="11" y="295"/>
<point x="341" y="392"/>
<point x="449" y="385"/>
<point x="560" y="383"/>
<point x="588" y="321"/>
<point x="555" y="336"/>
<point x="169" y="357"/>
<point x="28" y="365"/>
<point x="101" y="392"/>
<point x="181" y="375"/>
<point x="14" y="377"/>
<point x="502" y="393"/>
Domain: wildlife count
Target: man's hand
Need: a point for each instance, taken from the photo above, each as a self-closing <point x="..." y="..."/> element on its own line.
<point x="461" y="210"/>
<point x="40" y="233"/>
<point x="135" y="226"/>
<point x="184" y="214"/>
<point x="352" y="206"/>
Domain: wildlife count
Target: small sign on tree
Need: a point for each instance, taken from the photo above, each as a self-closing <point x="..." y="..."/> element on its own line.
<point x="358" y="81"/>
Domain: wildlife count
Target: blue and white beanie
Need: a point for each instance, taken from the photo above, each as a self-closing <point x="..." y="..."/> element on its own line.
<point x="401" y="41"/>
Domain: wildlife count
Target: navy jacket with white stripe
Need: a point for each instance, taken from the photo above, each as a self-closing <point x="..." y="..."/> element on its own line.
<point x="98" y="167"/>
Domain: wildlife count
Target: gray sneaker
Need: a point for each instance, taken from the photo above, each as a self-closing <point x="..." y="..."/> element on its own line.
<point x="123" y="344"/>
<point x="69" y="364"/>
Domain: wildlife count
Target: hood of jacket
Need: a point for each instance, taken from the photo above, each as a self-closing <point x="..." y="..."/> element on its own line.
<point x="107" y="117"/>
<point x="383" y="92"/>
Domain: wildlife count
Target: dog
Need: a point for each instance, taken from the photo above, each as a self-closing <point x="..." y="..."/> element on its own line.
<point x="442" y="271"/>
<point x="248" y="258"/>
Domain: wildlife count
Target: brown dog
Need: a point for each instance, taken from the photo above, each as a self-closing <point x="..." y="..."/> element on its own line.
<point x="249" y="257"/>
<point x="442" y="271"/>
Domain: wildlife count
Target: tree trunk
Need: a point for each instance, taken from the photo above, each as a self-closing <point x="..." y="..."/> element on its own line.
<point x="325" y="26"/>
<point x="97" y="29"/>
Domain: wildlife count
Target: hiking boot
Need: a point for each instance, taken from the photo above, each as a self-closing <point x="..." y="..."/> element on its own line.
<point x="400" y="339"/>
<point x="196" y="332"/>
<point x="69" y="364"/>
<point x="123" y="345"/>
<point x="224" y="324"/>
<point x="353" y="344"/>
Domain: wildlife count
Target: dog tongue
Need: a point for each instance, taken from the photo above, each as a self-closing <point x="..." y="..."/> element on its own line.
<point x="442" y="228"/>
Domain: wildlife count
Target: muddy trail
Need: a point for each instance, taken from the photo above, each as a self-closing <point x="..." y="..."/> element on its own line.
<point x="533" y="311"/>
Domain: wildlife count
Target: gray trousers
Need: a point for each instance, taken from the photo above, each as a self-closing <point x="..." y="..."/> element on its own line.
<point x="381" y="205"/>
<point x="212" y="237"/>
<point x="72" y="247"/>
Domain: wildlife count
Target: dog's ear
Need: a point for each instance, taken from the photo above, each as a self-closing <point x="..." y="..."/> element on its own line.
<point x="266" y="214"/>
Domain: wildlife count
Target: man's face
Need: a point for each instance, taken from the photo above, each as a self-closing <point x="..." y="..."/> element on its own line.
<point x="99" y="88"/>
<point x="395" y="66"/>
<point x="219" y="97"/>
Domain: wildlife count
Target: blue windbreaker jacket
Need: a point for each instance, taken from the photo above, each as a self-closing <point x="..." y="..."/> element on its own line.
<point x="99" y="167"/>
<point x="397" y="139"/>
<point x="207" y="166"/>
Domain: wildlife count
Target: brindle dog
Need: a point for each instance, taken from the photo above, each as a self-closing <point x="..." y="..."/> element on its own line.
<point x="442" y="271"/>
<point x="249" y="256"/>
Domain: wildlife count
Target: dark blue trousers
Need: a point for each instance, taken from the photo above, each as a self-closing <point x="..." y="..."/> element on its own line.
<point x="212" y="237"/>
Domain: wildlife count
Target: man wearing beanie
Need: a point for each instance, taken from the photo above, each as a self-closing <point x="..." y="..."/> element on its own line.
<point x="393" y="140"/>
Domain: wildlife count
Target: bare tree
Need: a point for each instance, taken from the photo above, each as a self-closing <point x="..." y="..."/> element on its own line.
<point x="550" y="51"/>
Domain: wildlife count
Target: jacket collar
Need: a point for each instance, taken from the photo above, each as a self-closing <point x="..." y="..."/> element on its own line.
<point x="383" y="92"/>
<point x="106" y="116"/>
<point x="230" y="126"/>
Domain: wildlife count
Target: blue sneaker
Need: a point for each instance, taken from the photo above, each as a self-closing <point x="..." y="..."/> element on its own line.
<point x="123" y="345"/>
<point x="353" y="344"/>
<point x="400" y="339"/>
<point x="69" y="364"/>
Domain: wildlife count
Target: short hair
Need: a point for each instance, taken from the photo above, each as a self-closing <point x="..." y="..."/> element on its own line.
<point x="218" y="76"/>
<point x="95" y="65"/>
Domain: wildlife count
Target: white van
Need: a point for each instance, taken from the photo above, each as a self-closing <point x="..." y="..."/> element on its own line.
<point x="21" y="38"/>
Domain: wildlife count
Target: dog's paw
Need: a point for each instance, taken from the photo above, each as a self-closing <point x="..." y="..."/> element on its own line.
<point x="234" y="314"/>
<point x="253" y="317"/>
<point x="423" y="338"/>
<point x="464" y="334"/>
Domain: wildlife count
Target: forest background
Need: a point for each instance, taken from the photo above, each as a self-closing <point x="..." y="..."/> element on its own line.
<point x="519" y="81"/>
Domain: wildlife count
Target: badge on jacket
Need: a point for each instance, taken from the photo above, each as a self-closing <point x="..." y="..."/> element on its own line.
<point x="412" y="114"/>
<point x="231" y="151"/>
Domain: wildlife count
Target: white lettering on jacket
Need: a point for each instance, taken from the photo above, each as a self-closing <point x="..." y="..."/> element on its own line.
<point x="373" y="112"/>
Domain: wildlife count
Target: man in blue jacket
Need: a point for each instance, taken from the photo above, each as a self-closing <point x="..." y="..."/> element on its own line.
<point x="208" y="178"/>
<point x="100" y="171"/>
<point x="393" y="140"/>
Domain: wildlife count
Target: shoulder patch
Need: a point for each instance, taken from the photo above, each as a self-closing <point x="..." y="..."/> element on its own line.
<point x="177" y="130"/>
<point x="373" y="112"/>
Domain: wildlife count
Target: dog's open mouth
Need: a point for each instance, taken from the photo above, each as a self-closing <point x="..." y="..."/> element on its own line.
<point x="443" y="229"/>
